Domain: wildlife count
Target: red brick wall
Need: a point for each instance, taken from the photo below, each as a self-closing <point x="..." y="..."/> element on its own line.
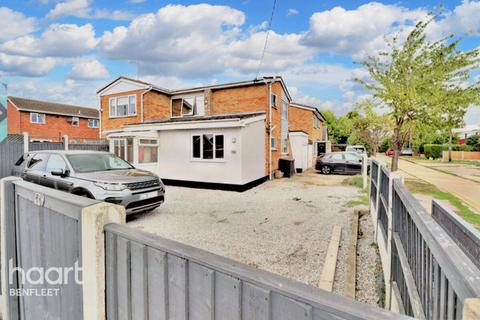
<point x="156" y="105"/>
<point x="108" y="123"/>
<point x="55" y="125"/>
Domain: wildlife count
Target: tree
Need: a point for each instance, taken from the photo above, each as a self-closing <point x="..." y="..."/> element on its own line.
<point x="420" y="80"/>
<point x="339" y="129"/>
<point x="369" y="128"/>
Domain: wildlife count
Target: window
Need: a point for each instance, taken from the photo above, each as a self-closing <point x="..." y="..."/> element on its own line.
<point x="189" y="106"/>
<point x="56" y="162"/>
<point x="284" y="145"/>
<point x="38" y="162"/>
<point x="125" y="106"/>
<point x="93" y="123"/>
<point x="284" y="126"/>
<point x="351" y="157"/>
<point x="336" y="156"/>
<point x="274" y="100"/>
<point x="273" y="143"/>
<point x="208" y="146"/>
<point x="75" y="121"/>
<point x="97" y="162"/>
<point x="148" y="151"/>
<point x="37" y="118"/>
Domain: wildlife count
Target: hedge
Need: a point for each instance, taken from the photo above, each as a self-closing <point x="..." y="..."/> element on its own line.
<point x="435" y="150"/>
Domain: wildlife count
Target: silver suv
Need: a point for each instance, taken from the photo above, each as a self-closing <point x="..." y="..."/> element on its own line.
<point x="97" y="175"/>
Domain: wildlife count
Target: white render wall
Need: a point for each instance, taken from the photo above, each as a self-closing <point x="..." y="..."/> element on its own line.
<point x="244" y="156"/>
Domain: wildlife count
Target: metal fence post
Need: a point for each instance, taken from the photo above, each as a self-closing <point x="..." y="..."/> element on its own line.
<point x="377" y="198"/>
<point x="94" y="218"/>
<point x="26" y="142"/>
<point x="65" y="142"/>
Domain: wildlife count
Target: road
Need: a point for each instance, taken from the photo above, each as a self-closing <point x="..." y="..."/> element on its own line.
<point x="468" y="191"/>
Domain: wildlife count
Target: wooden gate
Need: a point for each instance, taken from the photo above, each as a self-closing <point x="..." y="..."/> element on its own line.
<point x="43" y="254"/>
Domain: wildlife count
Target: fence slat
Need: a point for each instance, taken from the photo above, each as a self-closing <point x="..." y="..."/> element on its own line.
<point x="158" y="285"/>
<point x="255" y="302"/>
<point x="201" y="292"/>
<point x="177" y="288"/>
<point x="123" y="280"/>
<point x="227" y="297"/>
<point x="139" y="284"/>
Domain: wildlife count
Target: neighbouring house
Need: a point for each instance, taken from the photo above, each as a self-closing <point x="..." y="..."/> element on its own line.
<point x="308" y="135"/>
<point x="49" y="121"/>
<point x="231" y="134"/>
<point x="466" y="132"/>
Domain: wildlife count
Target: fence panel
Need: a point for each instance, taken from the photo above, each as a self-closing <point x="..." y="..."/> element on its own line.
<point x="373" y="181"/>
<point x="383" y="203"/>
<point x="44" y="232"/>
<point x="92" y="147"/>
<point x="442" y="275"/>
<point x="464" y="235"/>
<point x="10" y="151"/>
<point x="155" y="278"/>
<point x="37" y="146"/>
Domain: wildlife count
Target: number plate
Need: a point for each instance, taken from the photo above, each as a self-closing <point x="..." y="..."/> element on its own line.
<point x="148" y="195"/>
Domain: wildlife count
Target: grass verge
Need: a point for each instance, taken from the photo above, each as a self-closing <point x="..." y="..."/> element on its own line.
<point x="357" y="181"/>
<point x="419" y="186"/>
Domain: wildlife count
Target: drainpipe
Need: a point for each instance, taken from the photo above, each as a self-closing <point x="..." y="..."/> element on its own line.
<point x="270" y="127"/>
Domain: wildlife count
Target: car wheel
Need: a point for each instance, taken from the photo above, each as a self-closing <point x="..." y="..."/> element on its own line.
<point x="326" y="170"/>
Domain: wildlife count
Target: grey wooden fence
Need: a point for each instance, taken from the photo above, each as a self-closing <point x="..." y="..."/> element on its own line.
<point x="43" y="229"/>
<point x="430" y="276"/>
<point x="149" y="277"/>
<point x="89" y="146"/>
<point x="10" y="151"/>
<point x="463" y="233"/>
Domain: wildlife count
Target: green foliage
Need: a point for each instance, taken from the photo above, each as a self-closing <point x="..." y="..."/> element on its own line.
<point x="385" y="145"/>
<point x="473" y="140"/>
<point x="434" y="151"/>
<point x="422" y="82"/>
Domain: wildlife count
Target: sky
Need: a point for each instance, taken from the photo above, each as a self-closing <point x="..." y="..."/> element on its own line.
<point x="66" y="50"/>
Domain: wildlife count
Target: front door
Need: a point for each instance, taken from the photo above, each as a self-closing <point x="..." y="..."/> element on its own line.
<point x="120" y="148"/>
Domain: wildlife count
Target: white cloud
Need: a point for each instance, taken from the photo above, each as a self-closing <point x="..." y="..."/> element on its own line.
<point x="464" y="19"/>
<point x="82" y="9"/>
<point x="25" y="66"/>
<point x="59" y="40"/>
<point x="292" y="12"/>
<point x="349" y="32"/>
<point x="180" y="40"/>
<point x="74" y="8"/>
<point x="137" y="1"/>
<point x="14" y="24"/>
<point x="88" y="70"/>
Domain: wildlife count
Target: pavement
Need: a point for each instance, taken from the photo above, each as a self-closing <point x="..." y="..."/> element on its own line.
<point x="467" y="190"/>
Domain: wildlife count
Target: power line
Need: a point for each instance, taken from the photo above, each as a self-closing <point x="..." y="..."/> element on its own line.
<point x="266" y="38"/>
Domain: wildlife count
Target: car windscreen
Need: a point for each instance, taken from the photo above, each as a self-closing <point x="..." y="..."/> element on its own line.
<point x="97" y="162"/>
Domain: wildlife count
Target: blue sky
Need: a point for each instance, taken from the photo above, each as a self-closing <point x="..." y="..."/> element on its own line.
<point x="66" y="50"/>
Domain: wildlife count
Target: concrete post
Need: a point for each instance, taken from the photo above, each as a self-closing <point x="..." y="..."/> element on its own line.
<point x="94" y="218"/>
<point x="26" y="142"/>
<point x="364" y="170"/>
<point x="65" y="142"/>
<point x="7" y="197"/>
<point x="471" y="309"/>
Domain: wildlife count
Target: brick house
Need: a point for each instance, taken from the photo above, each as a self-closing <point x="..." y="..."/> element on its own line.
<point x="308" y="134"/>
<point x="232" y="133"/>
<point x="48" y="121"/>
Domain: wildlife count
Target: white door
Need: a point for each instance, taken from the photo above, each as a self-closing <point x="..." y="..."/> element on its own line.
<point x="120" y="148"/>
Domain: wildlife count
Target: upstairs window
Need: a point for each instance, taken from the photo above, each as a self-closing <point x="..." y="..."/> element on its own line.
<point x="274" y="100"/>
<point x="93" y="123"/>
<point x="208" y="146"/>
<point x="125" y="106"/>
<point x="38" y="118"/>
<point x="189" y="106"/>
<point x="75" y="121"/>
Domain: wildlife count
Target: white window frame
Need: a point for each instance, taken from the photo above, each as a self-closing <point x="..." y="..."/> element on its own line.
<point x="97" y="121"/>
<point x="274" y="100"/>
<point x="77" y="120"/>
<point x="37" y="114"/>
<point x="201" y="159"/>
<point x="140" y="144"/>
<point x="181" y="109"/>
<point x="116" y="104"/>
<point x="273" y="143"/>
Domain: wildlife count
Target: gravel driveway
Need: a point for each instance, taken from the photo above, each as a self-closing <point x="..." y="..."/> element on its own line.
<point x="283" y="226"/>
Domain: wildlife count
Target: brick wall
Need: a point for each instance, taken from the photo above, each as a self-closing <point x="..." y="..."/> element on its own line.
<point x="156" y="105"/>
<point x="108" y="123"/>
<point x="55" y="125"/>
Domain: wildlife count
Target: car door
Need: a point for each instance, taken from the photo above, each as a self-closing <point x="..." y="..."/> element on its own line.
<point x="338" y="162"/>
<point x="353" y="163"/>
<point x="56" y="162"/>
<point x="35" y="171"/>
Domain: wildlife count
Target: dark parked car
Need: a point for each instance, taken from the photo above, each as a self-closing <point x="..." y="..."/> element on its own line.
<point x="97" y="175"/>
<point x="339" y="162"/>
